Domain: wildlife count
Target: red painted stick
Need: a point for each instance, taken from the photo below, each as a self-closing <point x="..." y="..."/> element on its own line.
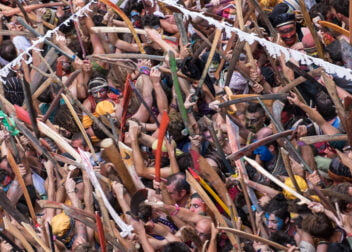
<point x="162" y="129"/>
<point x="100" y="232"/>
<point x="126" y="98"/>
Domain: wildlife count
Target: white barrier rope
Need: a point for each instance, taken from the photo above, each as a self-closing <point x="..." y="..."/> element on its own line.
<point x="273" y="49"/>
<point x="17" y="61"/>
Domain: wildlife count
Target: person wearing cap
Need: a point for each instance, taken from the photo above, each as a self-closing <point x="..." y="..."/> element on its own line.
<point x="101" y="100"/>
<point x="67" y="230"/>
<point x="285" y="24"/>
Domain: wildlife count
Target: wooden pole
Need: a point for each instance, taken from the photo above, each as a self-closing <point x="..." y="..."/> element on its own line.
<point x="20" y="180"/>
<point x="350" y="22"/>
<point x="113" y="155"/>
<point x="310" y="26"/>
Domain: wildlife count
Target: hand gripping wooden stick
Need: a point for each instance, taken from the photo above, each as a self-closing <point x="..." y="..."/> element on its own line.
<point x="16" y="170"/>
<point x="127" y="21"/>
<point x="253" y="237"/>
<point x="80" y="126"/>
<point x="259" y="168"/>
<point x="12" y="229"/>
<point x="209" y="60"/>
<point x="126" y="229"/>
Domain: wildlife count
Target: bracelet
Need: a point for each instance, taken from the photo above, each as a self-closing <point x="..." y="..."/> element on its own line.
<point x="177" y="209"/>
<point x="144" y="70"/>
<point x="70" y="191"/>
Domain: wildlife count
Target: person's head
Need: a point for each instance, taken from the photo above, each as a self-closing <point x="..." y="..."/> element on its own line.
<point x="63" y="227"/>
<point x="203" y="228"/>
<point x="335" y="52"/>
<point x="276" y="214"/>
<point x="285" y="23"/>
<point x="325" y="106"/>
<point x="238" y="84"/>
<point x="266" y="152"/>
<point x="176" y="126"/>
<point x="282" y="238"/>
<point x="151" y="21"/>
<point x="5" y="180"/>
<point x="318" y="225"/>
<point x="178" y="188"/>
<point x="213" y="65"/>
<point x="8" y="50"/>
<point x="77" y="141"/>
<point x="76" y="175"/>
<point x="175" y="247"/>
<point x="98" y="87"/>
<point x="255" y="117"/>
<point x="197" y="205"/>
<point x="339" y="172"/>
<point x="344" y="189"/>
<point x="340" y="9"/>
<point x="134" y="10"/>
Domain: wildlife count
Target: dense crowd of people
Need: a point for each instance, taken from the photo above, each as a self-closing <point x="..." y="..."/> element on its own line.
<point x="134" y="127"/>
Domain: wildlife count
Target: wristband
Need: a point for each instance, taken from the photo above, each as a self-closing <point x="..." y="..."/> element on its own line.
<point x="144" y="70"/>
<point x="177" y="209"/>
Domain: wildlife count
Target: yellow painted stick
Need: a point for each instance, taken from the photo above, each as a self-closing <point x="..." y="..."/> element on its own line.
<point x="211" y="191"/>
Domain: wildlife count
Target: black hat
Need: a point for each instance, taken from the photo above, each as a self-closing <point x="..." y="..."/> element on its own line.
<point x="280" y="17"/>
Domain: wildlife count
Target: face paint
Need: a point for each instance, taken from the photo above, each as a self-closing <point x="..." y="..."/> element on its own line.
<point x="136" y="19"/>
<point x="273" y="222"/>
<point x="288" y="34"/>
<point x="229" y="13"/>
<point x="212" y="69"/>
<point x="264" y="153"/>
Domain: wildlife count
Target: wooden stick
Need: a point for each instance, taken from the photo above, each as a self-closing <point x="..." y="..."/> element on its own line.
<point x="29" y="28"/>
<point x="250" y="147"/>
<point x="234" y="60"/>
<point x="299" y="80"/>
<point x="206" y="40"/>
<point x="13" y="11"/>
<point x="125" y="229"/>
<point x="331" y="87"/>
<point x="25" y="15"/>
<point x="127" y="158"/>
<point x="113" y="155"/>
<point x="288" y="167"/>
<point x="311" y="28"/>
<point x="31" y="231"/>
<point x="335" y="27"/>
<point x="127" y="21"/>
<point x="80" y="126"/>
<point x="350" y="22"/>
<point x="210" y="191"/>
<point x="113" y="29"/>
<point x="253" y="237"/>
<point x="15" y="33"/>
<point x="209" y="60"/>
<point x="20" y="180"/>
<point x="42" y="88"/>
<point x="254" y="164"/>
<point x="12" y="229"/>
<point x="126" y="56"/>
<point x="197" y="187"/>
<point x="179" y="74"/>
<point x="161" y="134"/>
<point x="323" y="138"/>
<point x="181" y="28"/>
<point x="58" y="140"/>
